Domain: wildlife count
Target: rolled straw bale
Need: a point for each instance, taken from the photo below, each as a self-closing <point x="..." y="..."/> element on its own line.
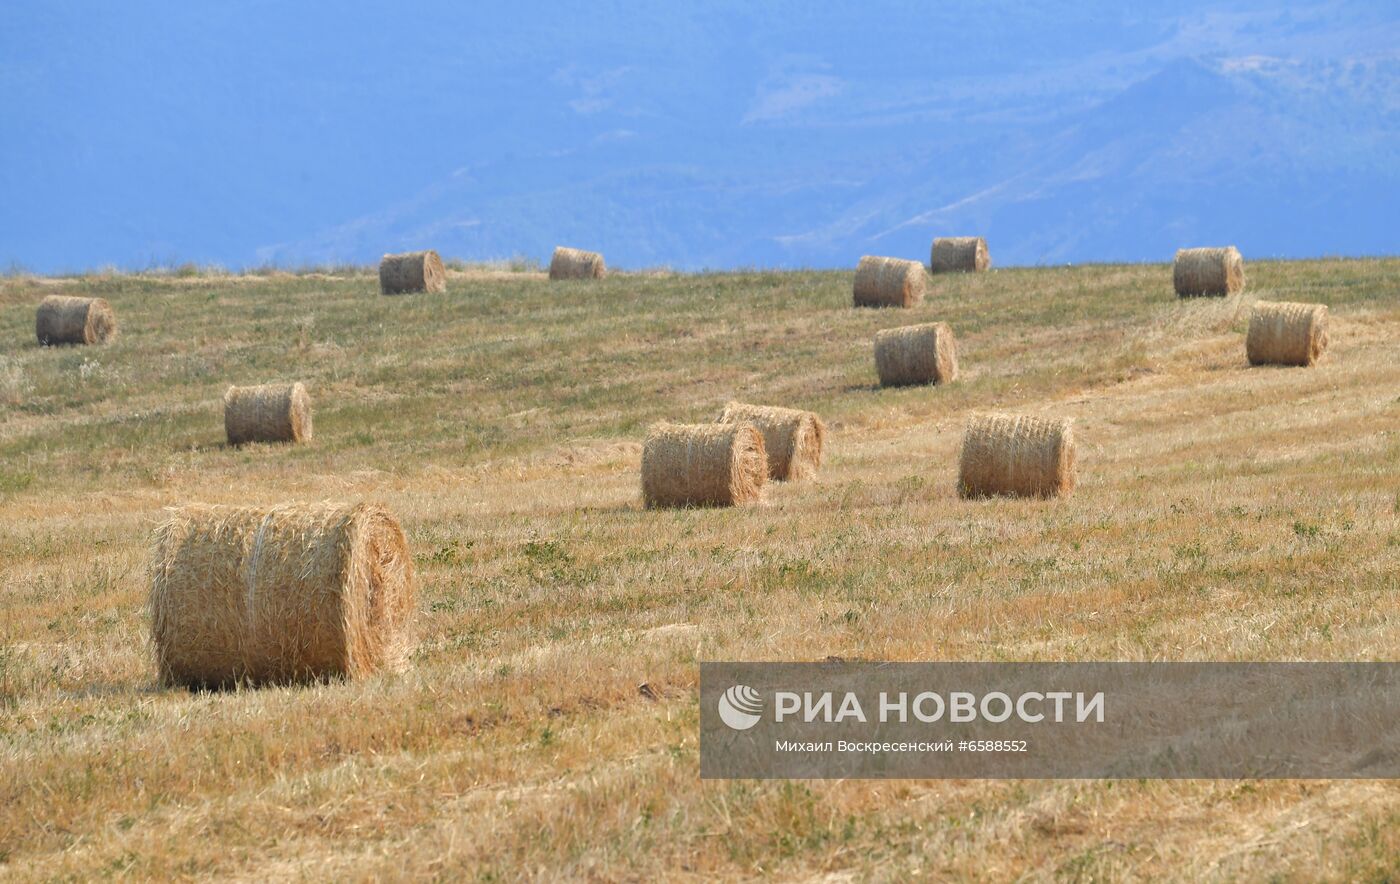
<point x="916" y="354"/>
<point x="64" y="319"/>
<point x="959" y="254"/>
<point x="1215" y="272"/>
<point x="1016" y="455"/>
<point x="703" y="465"/>
<point x="412" y="272"/>
<point x="888" y="282"/>
<point x="792" y="438"/>
<point x="291" y="593"/>
<point x="576" y="264"/>
<point x="1283" y="333"/>
<point x="267" y="413"/>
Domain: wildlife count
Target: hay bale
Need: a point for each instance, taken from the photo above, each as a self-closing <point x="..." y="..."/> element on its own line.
<point x="792" y="438"/>
<point x="576" y="264"/>
<point x="703" y="465"/>
<point x="292" y="593"/>
<point x="959" y="254"/>
<point x="916" y="354"/>
<point x="888" y="282"/>
<point x="1016" y="455"/>
<point x="1283" y="333"/>
<point x="267" y="413"/>
<point x="412" y="272"/>
<point x="1216" y="272"/>
<point x="64" y="319"/>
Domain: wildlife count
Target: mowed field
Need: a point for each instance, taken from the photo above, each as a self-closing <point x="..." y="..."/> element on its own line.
<point x="548" y="725"/>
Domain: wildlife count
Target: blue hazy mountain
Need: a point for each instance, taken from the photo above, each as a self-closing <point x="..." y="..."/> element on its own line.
<point x="712" y="135"/>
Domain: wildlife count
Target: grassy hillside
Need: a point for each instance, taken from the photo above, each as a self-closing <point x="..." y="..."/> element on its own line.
<point x="1223" y="513"/>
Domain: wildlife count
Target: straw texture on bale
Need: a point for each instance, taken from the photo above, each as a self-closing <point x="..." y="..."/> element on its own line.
<point x="1214" y="272"/>
<point x="1283" y="333"/>
<point x="267" y="413"/>
<point x="916" y="354"/>
<point x="292" y="593"/>
<point x="959" y="254"/>
<point x="412" y="272"/>
<point x="1016" y="455"/>
<point x="703" y="465"/>
<point x="792" y="438"/>
<point x="576" y="264"/>
<point x="888" y="282"/>
<point x="64" y="319"/>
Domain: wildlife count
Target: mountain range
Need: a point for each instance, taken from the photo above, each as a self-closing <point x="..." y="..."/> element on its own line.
<point x="712" y="136"/>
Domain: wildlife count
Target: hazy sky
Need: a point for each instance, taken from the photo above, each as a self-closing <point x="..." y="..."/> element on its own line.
<point x="686" y="134"/>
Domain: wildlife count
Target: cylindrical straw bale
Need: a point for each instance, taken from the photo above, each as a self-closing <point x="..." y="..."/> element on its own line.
<point x="412" y="272"/>
<point x="291" y="593"/>
<point x="1216" y="272"/>
<point x="267" y="413"/>
<point x="1283" y="333"/>
<point x="703" y="465"/>
<point x="576" y="264"/>
<point x="1017" y="455"/>
<point x="888" y="282"/>
<point x="792" y="438"/>
<point x="65" y="319"/>
<point x="959" y="254"/>
<point x="916" y="354"/>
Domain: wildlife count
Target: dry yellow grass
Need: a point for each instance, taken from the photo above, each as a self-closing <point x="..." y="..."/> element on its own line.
<point x="1222" y="512"/>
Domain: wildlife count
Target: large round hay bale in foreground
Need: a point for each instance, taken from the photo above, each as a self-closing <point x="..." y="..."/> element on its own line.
<point x="412" y="272"/>
<point x="916" y="354"/>
<point x="1215" y="272"/>
<point x="888" y="282"/>
<point x="1284" y="333"/>
<point x="792" y="438"/>
<point x="1016" y="455"/>
<point x="959" y="254"/>
<point x="292" y="593"/>
<point x="64" y="319"/>
<point x="576" y="264"/>
<point x="267" y="413"/>
<point x="703" y="465"/>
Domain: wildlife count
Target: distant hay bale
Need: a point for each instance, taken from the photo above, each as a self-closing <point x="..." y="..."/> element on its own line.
<point x="576" y="264"/>
<point x="267" y="413"/>
<point x="1283" y="333"/>
<point x="792" y="438"/>
<point x="292" y="593"/>
<point x="1016" y="455"/>
<point x="916" y="354"/>
<point x="64" y="319"/>
<point x="1216" y="272"/>
<point x="412" y="272"/>
<point x="703" y="465"/>
<point x="959" y="254"/>
<point x="888" y="282"/>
